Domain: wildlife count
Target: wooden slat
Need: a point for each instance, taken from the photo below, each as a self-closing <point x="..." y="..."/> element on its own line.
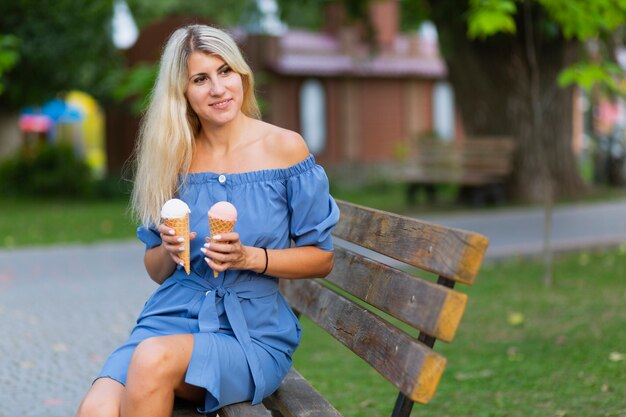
<point x="245" y="409"/>
<point x="453" y="253"/>
<point x="297" y="398"/>
<point x="431" y="308"/>
<point x="411" y="366"/>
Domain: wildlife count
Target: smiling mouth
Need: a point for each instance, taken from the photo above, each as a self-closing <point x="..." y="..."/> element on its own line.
<point x="221" y="104"/>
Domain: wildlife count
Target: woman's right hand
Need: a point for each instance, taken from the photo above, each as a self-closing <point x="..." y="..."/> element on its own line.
<point x="172" y="243"/>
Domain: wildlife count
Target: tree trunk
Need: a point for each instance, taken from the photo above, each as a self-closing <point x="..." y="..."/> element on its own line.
<point x="492" y="81"/>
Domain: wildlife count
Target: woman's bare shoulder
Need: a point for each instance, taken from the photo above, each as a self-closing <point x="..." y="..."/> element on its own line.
<point x="284" y="146"/>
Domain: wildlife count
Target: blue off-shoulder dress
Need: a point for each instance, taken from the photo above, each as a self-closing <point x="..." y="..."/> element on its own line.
<point x="244" y="331"/>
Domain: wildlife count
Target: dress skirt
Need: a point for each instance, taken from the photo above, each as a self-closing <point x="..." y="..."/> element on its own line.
<point x="230" y="364"/>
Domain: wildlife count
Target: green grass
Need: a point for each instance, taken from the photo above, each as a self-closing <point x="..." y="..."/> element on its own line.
<point x="391" y="196"/>
<point x="44" y="222"/>
<point x="566" y="357"/>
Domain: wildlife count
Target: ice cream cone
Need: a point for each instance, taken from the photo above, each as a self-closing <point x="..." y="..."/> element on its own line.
<point x="218" y="226"/>
<point x="181" y="225"/>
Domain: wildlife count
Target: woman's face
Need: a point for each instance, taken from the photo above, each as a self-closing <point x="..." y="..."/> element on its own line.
<point x="214" y="90"/>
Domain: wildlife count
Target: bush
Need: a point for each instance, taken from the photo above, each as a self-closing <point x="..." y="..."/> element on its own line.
<point x="49" y="170"/>
<point x="112" y="187"/>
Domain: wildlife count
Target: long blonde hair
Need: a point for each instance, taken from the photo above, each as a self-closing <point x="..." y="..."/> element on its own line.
<point x="165" y="144"/>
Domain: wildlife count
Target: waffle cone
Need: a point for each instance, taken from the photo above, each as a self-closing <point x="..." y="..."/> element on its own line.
<point x="181" y="225"/>
<point x="218" y="226"/>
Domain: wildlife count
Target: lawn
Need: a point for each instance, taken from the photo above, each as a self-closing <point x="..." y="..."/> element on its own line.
<point x="522" y="350"/>
<point x="44" y="222"/>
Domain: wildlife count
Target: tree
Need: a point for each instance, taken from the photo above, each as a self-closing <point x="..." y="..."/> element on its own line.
<point x="512" y="64"/>
<point x="505" y="58"/>
<point x="64" y="44"/>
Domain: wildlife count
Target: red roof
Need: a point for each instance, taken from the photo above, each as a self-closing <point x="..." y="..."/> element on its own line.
<point x="315" y="53"/>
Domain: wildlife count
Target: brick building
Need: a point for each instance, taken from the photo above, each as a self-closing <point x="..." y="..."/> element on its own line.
<point x="355" y="102"/>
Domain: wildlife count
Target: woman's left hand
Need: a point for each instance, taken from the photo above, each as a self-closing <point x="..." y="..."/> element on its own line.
<point x="224" y="252"/>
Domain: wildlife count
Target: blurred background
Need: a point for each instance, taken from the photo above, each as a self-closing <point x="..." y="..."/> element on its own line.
<point x="366" y="83"/>
<point x="466" y="112"/>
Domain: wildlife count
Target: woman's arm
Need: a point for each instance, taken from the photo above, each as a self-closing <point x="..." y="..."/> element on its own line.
<point x="161" y="260"/>
<point x="159" y="264"/>
<point x="292" y="263"/>
<point x="302" y="262"/>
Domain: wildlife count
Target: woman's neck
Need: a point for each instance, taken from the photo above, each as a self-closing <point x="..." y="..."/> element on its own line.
<point x="221" y="140"/>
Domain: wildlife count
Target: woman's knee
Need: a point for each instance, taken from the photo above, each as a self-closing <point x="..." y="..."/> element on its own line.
<point x="155" y="359"/>
<point x="151" y="357"/>
<point x="102" y="400"/>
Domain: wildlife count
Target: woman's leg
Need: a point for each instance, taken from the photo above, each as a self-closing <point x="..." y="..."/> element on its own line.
<point x="102" y="400"/>
<point x="157" y="373"/>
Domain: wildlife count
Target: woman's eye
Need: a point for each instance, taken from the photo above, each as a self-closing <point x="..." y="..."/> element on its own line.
<point x="199" y="80"/>
<point x="226" y="70"/>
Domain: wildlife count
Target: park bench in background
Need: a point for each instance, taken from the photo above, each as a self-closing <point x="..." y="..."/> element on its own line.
<point x="347" y="302"/>
<point x="480" y="166"/>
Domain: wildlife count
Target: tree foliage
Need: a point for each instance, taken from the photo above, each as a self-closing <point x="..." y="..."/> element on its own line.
<point x="489" y="17"/>
<point x="67" y="44"/>
<point x="221" y="12"/>
<point x="9" y="56"/>
<point x="63" y="45"/>
<point x="598" y="21"/>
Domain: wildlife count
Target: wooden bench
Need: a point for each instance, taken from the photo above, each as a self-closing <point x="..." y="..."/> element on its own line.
<point x="481" y="166"/>
<point x="346" y="303"/>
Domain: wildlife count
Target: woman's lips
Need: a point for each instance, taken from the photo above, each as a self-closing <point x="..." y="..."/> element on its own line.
<point x="222" y="104"/>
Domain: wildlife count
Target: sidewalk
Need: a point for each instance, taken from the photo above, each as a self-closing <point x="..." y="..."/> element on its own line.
<point x="519" y="232"/>
<point x="64" y="309"/>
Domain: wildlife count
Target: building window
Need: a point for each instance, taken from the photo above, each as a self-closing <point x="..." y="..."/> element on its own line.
<point x="313" y="115"/>
<point x="443" y="110"/>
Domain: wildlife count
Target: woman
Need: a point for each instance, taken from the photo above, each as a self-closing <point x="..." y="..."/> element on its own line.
<point x="216" y="341"/>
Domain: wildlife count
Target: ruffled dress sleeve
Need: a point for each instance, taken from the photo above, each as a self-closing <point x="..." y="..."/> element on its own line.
<point x="313" y="212"/>
<point x="148" y="235"/>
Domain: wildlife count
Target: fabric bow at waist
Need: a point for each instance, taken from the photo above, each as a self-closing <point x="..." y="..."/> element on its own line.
<point x="208" y="320"/>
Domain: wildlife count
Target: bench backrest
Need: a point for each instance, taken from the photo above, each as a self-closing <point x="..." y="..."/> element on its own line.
<point x="434" y="309"/>
<point x="481" y="155"/>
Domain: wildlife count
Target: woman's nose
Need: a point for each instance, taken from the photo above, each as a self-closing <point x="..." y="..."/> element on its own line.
<point x="217" y="88"/>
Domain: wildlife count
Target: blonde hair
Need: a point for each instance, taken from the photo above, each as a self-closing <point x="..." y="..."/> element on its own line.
<point x="165" y="144"/>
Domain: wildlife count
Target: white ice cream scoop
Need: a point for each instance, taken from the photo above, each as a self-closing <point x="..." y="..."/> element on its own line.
<point x="174" y="208"/>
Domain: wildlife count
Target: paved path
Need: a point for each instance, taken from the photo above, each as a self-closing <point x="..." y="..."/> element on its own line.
<point x="520" y="231"/>
<point x="64" y="309"/>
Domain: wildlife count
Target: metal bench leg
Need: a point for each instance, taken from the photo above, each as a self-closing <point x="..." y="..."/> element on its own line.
<point x="403" y="406"/>
<point x="431" y="193"/>
<point x="411" y="193"/>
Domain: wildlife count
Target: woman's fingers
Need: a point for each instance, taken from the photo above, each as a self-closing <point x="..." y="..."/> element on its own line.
<point x="224" y="251"/>
<point x="225" y="247"/>
<point x="172" y="243"/>
<point x="177" y="260"/>
<point x="224" y="237"/>
<point x="216" y="266"/>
